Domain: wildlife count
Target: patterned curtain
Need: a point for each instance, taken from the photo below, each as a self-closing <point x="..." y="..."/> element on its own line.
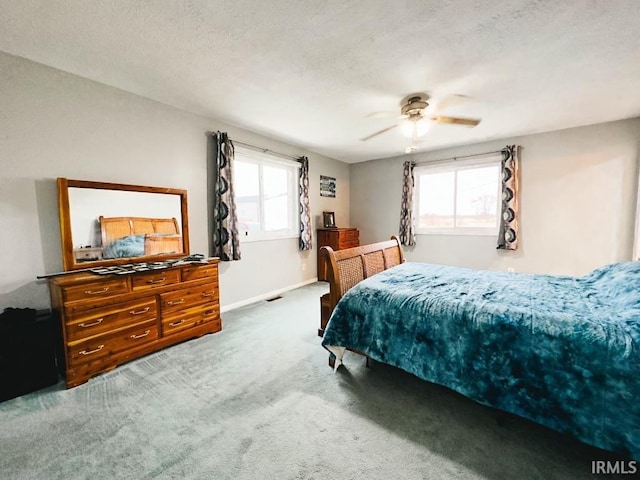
<point x="508" y="233"/>
<point x="305" y="212"/>
<point x="226" y="243"/>
<point x="407" y="224"/>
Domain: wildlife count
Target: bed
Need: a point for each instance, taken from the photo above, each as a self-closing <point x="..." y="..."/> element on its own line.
<point x="561" y="351"/>
<point x="124" y="237"/>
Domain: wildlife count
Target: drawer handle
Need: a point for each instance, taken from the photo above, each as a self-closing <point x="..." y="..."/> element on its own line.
<point x="89" y="352"/>
<point x="208" y="312"/>
<point x="92" y="324"/>
<point x="208" y="294"/>
<point x="139" y="312"/>
<point x="146" y="332"/>
<point x="96" y="292"/>
<point x="159" y="280"/>
<point x="177" y="302"/>
<point x="175" y="324"/>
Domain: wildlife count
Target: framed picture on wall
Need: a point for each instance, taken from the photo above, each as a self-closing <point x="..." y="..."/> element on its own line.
<point x="327" y="186"/>
<point x="329" y="219"/>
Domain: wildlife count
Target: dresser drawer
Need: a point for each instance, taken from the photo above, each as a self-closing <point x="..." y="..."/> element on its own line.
<point x="143" y="281"/>
<point x="110" y="343"/>
<point x="342" y="244"/>
<point x="352" y="235"/>
<point x="195" y="273"/>
<point x="87" y="323"/>
<point x="190" y="318"/>
<point x="172" y="302"/>
<point x="95" y="290"/>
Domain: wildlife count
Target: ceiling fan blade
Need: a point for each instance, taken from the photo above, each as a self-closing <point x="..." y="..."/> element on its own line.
<point x="469" y="122"/>
<point x="449" y="101"/>
<point x="382" y="115"/>
<point x="378" y="133"/>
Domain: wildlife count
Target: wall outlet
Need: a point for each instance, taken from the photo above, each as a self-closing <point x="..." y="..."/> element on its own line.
<point x="304" y="267"/>
<point x="511" y="269"/>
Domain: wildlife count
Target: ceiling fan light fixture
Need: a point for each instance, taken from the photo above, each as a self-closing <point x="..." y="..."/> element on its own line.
<point x="411" y="149"/>
<point x="415" y="127"/>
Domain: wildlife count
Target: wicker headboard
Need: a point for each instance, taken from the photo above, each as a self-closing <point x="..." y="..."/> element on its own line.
<point x="347" y="267"/>
<point x="114" y="228"/>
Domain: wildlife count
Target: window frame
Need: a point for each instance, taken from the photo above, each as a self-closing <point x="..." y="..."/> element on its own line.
<point x="261" y="159"/>
<point x="456" y="166"/>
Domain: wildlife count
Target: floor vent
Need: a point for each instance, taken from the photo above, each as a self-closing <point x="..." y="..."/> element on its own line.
<point x="278" y="297"/>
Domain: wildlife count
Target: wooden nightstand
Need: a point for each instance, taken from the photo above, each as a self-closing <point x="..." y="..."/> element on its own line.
<point x="87" y="254"/>
<point x="338" y="239"/>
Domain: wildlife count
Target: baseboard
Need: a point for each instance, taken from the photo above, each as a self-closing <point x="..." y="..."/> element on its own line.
<point x="259" y="298"/>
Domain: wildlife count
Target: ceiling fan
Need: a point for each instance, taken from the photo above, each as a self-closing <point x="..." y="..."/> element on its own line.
<point x="416" y="121"/>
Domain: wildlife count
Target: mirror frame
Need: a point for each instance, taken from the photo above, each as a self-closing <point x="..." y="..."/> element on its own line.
<point x="68" y="258"/>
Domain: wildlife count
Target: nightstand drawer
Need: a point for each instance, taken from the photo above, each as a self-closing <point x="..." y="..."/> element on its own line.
<point x="348" y="244"/>
<point x="349" y="235"/>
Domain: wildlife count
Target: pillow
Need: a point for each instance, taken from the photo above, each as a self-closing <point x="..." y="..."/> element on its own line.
<point x="619" y="282"/>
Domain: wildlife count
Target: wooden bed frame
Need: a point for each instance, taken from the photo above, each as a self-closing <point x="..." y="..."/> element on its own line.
<point x="348" y="267"/>
<point x="162" y="235"/>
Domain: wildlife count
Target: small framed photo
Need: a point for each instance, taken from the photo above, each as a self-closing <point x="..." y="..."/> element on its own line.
<point x="329" y="219"/>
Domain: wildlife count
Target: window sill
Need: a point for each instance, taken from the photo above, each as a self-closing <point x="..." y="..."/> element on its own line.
<point x="267" y="238"/>
<point x="461" y="233"/>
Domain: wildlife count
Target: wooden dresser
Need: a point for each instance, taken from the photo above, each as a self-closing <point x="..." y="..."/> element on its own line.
<point x="338" y="239"/>
<point x="110" y="319"/>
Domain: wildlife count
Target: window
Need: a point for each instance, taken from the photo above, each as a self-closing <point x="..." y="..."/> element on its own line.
<point x="265" y="189"/>
<point x="458" y="198"/>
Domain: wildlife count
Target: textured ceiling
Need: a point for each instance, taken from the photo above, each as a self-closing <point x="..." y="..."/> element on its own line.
<point x="310" y="72"/>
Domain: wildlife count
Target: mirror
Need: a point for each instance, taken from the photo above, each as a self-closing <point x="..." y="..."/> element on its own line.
<point x="112" y="223"/>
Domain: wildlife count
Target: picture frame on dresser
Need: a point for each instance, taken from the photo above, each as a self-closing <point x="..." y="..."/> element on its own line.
<point x="329" y="219"/>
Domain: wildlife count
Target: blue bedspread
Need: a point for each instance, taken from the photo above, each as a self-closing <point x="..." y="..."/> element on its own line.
<point x="561" y="351"/>
<point x="125" y="247"/>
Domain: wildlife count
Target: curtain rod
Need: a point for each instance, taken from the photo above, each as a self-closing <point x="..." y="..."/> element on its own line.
<point x="458" y="157"/>
<point x="263" y="150"/>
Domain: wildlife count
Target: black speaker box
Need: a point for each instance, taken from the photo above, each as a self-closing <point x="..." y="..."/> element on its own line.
<point x="28" y="340"/>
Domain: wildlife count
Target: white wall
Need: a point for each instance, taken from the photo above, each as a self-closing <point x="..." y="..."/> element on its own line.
<point x="577" y="203"/>
<point x="54" y="124"/>
<point x="270" y="265"/>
